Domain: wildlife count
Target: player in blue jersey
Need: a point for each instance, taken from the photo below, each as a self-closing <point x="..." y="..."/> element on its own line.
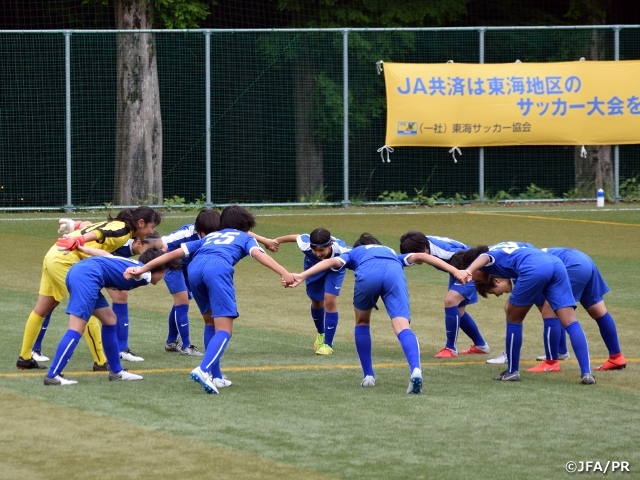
<point x="588" y="288"/>
<point x="323" y="288"/>
<point x="527" y="273"/>
<point x="457" y="298"/>
<point x="84" y="282"/>
<point x="379" y="273"/>
<point x="211" y="280"/>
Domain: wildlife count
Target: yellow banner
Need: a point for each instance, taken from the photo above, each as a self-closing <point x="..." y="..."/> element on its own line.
<point x="457" y="104"/>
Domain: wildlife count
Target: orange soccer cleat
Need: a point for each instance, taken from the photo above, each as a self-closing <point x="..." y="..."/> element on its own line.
<point x="615" y="362"/>
<point x="446" y="353"/>
<point x="546" y="366"/>
<point x="474" y="349"/>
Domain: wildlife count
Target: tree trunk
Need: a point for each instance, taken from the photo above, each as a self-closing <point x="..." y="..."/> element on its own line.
<point x="138" y="174"/>
<point x="596" y="170"/>
<point x="309" y="155"/>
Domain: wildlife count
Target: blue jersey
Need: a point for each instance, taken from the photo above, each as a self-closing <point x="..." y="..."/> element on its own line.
<point x="229" y="244"/>
<point x="125" y="250"/>
<point x="108" y="272"/>
<point x="338" y="247"/>
<point x="186" y="233"/>
<point x="506" y="258"/>
<point x="353" y="259"/>
<point x="444" y="248"/>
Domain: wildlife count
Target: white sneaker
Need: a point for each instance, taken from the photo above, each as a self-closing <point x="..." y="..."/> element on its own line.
<point x="222" y="382"/>
<point x="129" y="356"/>
<point x="542" y="358"/>
<point x="368" y="381"/>
<point x="415" y="384"/>
<point x="204" y="379"/>
<point x="58" y="380"/>
<point x="191" y="351"/>
<point x="502" y="359"/>
<point x="38" y="356"/>
<point x="124" y="375"/>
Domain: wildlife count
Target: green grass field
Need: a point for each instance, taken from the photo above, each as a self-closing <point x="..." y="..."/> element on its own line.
<point x="292" y="414"/>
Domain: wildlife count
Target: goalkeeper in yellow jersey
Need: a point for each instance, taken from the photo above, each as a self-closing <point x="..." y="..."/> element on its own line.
<point x="108" y="236"/>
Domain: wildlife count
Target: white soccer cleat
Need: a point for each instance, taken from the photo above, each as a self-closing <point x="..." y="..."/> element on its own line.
<point x="368" y="381"/>
<point x="204" y="379"/>
<point x="124" y="375"/>
<point x="542" y="358"/>
<point x="129" y="356"/>
<point x="38" y="356"/>
<point x="222" y="382"/>
<point x="415" y="384"/>
<point x="502" y="359"/>
<point x="58" y="380"/>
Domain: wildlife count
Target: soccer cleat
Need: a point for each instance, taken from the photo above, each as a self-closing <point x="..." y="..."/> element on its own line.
<point x="124" y="375"/>
<point x="546" y="366"/>
<point x="101" y="368"/>
<point x="368" y="381"/>
<point x="474" y="349"/>
<point x="204" y="379"/>
<point x="172" y="346"/>
<point x="561" y="356"/>
<point x="446" y="353"/>
<point x="58" y="380"/>
<point x="129" y="356"/>
<point x="588" y="379"/>
<point x="29" y="364"/>
<point x="38" y="356"/>
<point x="415" y="384"/>
<point x="614" y="362"/>
<point x="508" y="377"/>
<point x="502" y="359"/>
<point x="191" y="351"/>
<point x="324" y="349"/>
<point x="319" y="341"/>
<point x="222" y="382"/>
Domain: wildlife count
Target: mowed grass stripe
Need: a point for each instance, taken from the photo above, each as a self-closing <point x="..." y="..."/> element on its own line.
<point x="88" y="445"/>
<point x="537" y="217"/>
<point x="39" y="373"/>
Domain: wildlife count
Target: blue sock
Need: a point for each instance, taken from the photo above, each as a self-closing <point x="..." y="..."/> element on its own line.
<point x="318" y="318"/>
<point x="110" y="346"/>
<point x="330" y="325"/>
<point x="173" y="326"/>
<point x="562" y="346"/>
<point x="122" y="314"/>
<point x="64" y="351"/>
<point x="513" y="345"/>
<point x="609" y="333"/>
<point x="580" y="346"/>
<point x="43" y="330"/>
<point x="451" y="325"/>
<point x="551" y="337"/>
<point x="469" y="326"/>
<point x="410" y="347"/>
<point x="215" y="349"/>
<point x="209" y="332"/>
<point x="362" y="335"/>
<point x="182" y="321"/>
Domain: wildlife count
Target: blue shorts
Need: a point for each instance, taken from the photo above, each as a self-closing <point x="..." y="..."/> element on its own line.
<point x="176" y="281"/>
<point x="542" y="276"/>
<point x="382" y="278"/>
<point x="587" y="284"/>
<point x="329" y="283"/>
<point x="468" y="291"/>
<point x="84" y="283"/>
<point x="211" y="280"/>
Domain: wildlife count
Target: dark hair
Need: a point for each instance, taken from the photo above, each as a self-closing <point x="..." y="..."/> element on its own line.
<point x="414" y="242"/>
<point x="484" y="287"/>
<point x="131" y="217"/>
<point x="154" y="253"/>
<point x="320" y="236"/>
<point x="366" y="239"/>
<point x="463" y="258"/>
<point x="238" y="218"/>
<point x="153" y="236"/>
<point x="207" y="221"/>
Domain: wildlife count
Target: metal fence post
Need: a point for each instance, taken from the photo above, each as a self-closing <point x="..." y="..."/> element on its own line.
<point x="67" y="87"/>
<point x="481" y="153"/>
<point x="345" y="109"/>
<point x="616" y="149"/>
<point x="207" y="67"/>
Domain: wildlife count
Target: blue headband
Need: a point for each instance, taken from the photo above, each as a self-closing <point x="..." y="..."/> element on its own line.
<point x="321" y="244"/>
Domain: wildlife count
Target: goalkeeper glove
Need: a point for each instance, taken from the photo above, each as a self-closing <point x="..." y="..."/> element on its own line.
<point x="68" y="225"/>
<point x="70" y="243"/>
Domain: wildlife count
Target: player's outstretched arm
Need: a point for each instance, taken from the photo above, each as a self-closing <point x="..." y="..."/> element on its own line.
<point x="419" y="258"/>
<point x="269" y="244"/>
<point x="269" y="262"/>
<point x="94" y="252"/>
<point x="156" y="262"/>
<point x="478" y="263"/>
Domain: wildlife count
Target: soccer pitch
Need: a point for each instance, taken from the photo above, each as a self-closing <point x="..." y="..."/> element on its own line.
<point x="293" y="414"/>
